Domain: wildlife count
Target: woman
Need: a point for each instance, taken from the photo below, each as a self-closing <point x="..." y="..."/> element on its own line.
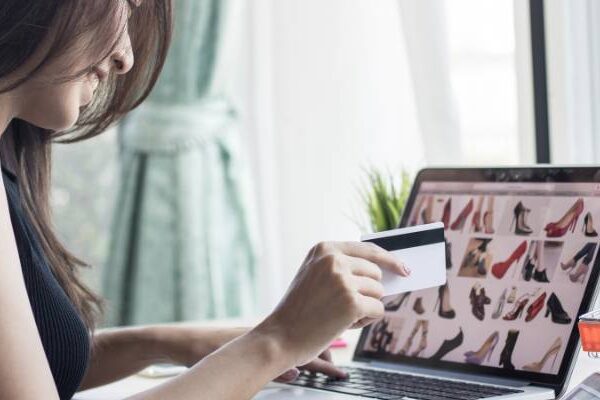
<point x="67" y="72"/>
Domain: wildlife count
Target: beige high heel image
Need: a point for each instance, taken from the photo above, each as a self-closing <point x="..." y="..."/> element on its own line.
<point x="485" y="351"/>
<point x="488" y="217"/>
<point x="420" y="325"/>
<point x="552" y="351"/>
<point x="415" y="219"/>
<point x="427" y="213"/>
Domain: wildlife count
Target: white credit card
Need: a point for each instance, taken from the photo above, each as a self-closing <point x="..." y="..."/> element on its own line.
<point x="421" y="248"/>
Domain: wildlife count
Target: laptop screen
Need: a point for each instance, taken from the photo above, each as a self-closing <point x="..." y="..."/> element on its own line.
<point x="519" y="256"/>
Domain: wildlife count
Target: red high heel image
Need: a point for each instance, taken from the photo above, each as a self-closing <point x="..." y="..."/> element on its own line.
<point x="568" y="221"/>
<point x="517" y="309"/>
<point x="459" y="223"/>
<point x="499" y="269"/>
<point x="535" y="307"/>
<point x="446" y="214"/>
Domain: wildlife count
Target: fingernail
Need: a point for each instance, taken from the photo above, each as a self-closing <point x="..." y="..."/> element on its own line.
<point x="405" y="269"/>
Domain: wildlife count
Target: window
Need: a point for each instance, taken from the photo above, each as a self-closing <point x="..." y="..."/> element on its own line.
<point x="483" y="70"/>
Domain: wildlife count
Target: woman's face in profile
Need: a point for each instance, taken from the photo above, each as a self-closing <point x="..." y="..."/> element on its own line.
<point x="50" y="103"/>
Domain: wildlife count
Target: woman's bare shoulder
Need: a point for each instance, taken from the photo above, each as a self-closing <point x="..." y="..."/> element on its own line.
<point x="24" y="361"/>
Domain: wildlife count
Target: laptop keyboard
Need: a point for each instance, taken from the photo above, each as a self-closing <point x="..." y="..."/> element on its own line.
<point x="376" y="384"/>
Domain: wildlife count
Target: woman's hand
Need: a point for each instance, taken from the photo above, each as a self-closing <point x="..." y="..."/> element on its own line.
<point x="337" y="287"/>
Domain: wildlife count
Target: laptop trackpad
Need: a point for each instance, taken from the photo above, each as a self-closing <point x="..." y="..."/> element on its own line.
<point x="282" y="393"/>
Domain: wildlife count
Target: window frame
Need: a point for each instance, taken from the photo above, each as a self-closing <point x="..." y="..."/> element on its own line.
<point x="540" y="80"/>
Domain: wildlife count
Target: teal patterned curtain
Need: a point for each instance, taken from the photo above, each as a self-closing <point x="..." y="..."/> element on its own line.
<point x="181" y="245"/>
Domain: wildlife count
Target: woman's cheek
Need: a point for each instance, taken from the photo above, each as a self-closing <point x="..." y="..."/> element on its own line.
<point x="64" y="110"/>
<point x="55" y="107"/>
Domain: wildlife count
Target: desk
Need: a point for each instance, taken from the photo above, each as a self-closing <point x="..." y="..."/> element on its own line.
<point x="129" y="386"/>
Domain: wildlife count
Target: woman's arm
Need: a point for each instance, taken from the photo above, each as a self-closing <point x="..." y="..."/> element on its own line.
<point x="337" y="287"/>
<point x="120" y="352"/>
<point x="236" y="371"/>
<point x="24" y="370"/>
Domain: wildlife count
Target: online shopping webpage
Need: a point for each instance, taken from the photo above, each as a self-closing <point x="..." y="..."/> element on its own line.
<point x="518" y="260"/>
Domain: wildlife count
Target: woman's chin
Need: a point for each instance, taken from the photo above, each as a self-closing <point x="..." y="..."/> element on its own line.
<point x="67" y="122"/>
<point x="86" y="100"/>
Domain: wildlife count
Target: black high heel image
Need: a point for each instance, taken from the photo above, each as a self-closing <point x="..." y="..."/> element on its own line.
<point x="448" y="254"/>
<point x="448" y="346"/>
<point x="418" y="306"/>
<point x="588" y="226"/>
<point x="521" y="227"/>
<point x="507" y="351"/>
<point x="540" y="276"/>
<point x="381" y="337"/>
<point x="395" y="304"/>
<point x="443" y="303"/>
<point x="528" y="269"/>
<point x="530" y="261"/>
<point x="478" y="301"/>
<point x="554" y="307"/>
<point x="480" y="264"/>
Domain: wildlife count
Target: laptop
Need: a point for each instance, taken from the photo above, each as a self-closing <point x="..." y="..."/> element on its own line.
<point x="522" y="264"/>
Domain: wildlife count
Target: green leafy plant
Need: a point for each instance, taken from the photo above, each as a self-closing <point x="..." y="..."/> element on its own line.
<point x="384" y="197"/>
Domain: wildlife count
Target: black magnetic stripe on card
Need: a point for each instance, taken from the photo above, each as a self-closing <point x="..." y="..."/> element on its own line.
<point x="406" y="241"/>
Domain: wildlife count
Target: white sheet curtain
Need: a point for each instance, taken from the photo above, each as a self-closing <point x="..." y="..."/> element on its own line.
<point x="424" y="25"/>
<point x="333" y="87"/>
<point x="573" y="60"/>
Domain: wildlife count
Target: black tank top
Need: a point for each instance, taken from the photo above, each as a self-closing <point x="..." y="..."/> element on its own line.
<point x="64" y="336"/>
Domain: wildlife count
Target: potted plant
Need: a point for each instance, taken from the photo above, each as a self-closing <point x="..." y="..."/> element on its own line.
<point x="384" y="197"/>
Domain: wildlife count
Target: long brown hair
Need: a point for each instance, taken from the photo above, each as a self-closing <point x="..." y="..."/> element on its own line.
<point x="24" y="26"/>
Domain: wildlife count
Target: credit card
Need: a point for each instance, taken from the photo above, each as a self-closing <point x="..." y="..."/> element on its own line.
<point x="421" y="248"/>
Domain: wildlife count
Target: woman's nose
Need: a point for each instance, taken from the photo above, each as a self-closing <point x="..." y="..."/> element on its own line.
<point x="122" y="60"/>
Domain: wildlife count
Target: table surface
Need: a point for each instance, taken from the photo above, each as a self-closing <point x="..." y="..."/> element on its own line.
<point x="135" y="384"/>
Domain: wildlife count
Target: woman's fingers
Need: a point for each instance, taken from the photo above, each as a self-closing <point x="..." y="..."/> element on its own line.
<point x="375" y="254"/>
<point x="369" y="287"/>
<point x="362" y="267"/>
<point x="321" y="365"/>
<point x="325" y="367"/>
<point x="369" y="307"/>
<point x="361" y="323"/>
<point x="289" y="376"/>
